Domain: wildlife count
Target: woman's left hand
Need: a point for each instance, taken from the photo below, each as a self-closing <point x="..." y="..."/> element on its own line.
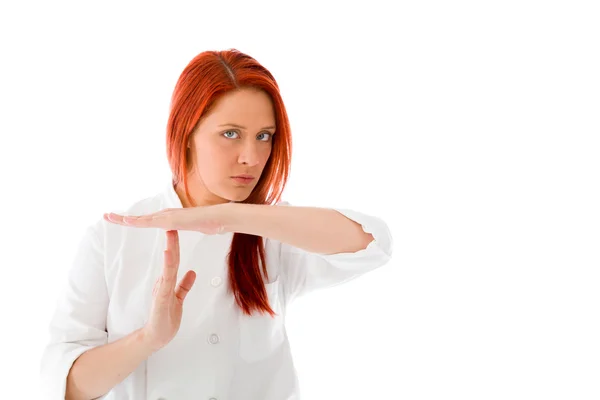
<point x="206" y="219"/>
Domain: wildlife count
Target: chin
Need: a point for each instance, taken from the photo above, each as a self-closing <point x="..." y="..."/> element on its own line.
<point x="237" y="198"/>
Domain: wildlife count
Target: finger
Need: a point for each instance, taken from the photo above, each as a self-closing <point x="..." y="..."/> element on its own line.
<point x="176" y="246"/>
<point x="159" y="219"/>
<point x="185" y="285"/>
<point x="156" y="285"/>
<point x="171" y="264"/>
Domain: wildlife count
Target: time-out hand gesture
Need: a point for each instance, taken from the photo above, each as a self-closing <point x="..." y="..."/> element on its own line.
<point x="168" y="296"/>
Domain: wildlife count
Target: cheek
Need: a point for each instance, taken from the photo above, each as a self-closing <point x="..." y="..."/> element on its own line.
<point x="212" y="163"/>
<point x="265" y="155"/>
<point x="214" y="154"/>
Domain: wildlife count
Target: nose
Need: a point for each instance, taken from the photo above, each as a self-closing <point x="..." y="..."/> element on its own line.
<point x="250" y="153"/>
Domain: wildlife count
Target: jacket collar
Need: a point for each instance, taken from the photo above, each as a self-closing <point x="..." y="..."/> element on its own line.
<point x="171" y="198"/>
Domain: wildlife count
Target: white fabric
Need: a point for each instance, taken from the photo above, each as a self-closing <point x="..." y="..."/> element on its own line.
<point x="219" y="353"/>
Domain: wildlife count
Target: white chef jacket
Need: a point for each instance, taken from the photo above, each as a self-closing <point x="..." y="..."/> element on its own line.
<point x="218" y="353"/>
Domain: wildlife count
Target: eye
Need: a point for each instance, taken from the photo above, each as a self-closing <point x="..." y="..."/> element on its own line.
<point x="225" y="133"/>
<point x="266" y="133"/>
<point x="269" y="135"/>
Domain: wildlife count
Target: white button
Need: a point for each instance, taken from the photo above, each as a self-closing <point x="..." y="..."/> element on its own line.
<point x="216" y="281"/>
<point x="213" y="339"/>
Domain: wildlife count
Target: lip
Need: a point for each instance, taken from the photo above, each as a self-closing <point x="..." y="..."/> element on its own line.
<point x="242" y="179"/>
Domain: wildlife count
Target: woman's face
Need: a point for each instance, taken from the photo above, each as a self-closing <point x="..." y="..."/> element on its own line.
<point x="235" y="138"/>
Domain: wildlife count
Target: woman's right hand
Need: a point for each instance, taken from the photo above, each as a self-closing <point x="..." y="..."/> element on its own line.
<point x="167" y="303"/>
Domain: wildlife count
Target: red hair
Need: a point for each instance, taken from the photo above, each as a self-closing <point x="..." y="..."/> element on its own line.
<point x="206" y="77"/>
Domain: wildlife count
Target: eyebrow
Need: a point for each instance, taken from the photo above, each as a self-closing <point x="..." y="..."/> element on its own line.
<point x="242" y="127"/>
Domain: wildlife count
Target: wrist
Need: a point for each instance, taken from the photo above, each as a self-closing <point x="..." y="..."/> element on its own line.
<point x="230" y="216"/>
<point x="145" y="341"/>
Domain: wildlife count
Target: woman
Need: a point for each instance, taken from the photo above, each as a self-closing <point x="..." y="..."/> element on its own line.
<point x="218" y="239"/>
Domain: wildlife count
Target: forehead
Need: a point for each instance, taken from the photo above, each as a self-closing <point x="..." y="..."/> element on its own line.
<point x="246" y="107"/>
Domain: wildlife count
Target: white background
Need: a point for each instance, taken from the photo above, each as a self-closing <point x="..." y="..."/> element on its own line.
<point x="471" y="127"/>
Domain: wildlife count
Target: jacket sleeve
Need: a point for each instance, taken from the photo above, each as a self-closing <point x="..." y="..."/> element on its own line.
<point x="303" y="271"/>
<point x="79" y="320"/>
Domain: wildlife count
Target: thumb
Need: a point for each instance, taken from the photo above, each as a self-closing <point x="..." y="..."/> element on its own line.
<point x="185" y="285"/>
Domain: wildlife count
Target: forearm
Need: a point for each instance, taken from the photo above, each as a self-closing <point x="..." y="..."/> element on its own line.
<point x="314" y="229"/>
<point x="100" y="369"/>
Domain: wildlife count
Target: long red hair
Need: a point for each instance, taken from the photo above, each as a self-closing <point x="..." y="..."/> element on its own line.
<point x="206" y="77"/>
